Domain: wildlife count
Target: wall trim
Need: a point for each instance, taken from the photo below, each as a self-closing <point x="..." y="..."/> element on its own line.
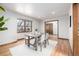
<point x="63" y="38"/>
<point x="11" y="42"/>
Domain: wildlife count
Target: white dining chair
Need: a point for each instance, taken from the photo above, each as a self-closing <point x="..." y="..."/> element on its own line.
<point x="42" y="41"/>
<point x="46" y="38"/>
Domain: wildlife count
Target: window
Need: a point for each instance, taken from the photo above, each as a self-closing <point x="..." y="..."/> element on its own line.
<point x="24" y="25"/>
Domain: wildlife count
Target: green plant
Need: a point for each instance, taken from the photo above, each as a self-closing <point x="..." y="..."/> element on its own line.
<point x="2" y="20"/>
<point x="2" y="9"/>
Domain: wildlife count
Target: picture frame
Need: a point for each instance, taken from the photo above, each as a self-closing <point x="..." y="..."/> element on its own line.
<point x="24" y="25"/>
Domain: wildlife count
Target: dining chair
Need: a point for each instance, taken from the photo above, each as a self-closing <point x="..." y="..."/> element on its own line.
<point x="43" y="40"/>
<point x="46" y="38"/>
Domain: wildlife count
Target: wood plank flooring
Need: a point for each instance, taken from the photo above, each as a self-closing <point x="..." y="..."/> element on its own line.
<point x="62" y="48"/>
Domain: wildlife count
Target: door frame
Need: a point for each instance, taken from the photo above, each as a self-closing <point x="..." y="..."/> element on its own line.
<point x="57" y="26"/>
<point x="75" y="30"/>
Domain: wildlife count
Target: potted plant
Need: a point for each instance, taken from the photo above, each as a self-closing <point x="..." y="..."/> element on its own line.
<point x="2" y="20"/>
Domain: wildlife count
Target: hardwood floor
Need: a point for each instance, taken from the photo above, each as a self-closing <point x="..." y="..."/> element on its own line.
<point x="53" y="37"/>
<point x="62" y="48"/>
<point x="4" y="49"/>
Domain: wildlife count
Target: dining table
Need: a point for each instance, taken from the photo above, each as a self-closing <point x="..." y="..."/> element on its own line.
<point x="31" y="36"/>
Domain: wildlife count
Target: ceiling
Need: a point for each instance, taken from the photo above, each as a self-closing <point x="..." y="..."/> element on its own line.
<point x="40" y="10"/>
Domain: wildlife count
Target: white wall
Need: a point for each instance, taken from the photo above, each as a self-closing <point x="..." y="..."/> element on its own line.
<point x="11" y="34"/>
<point x="55" y="27"/>
<point x="71" y="28"/>
<point x="64" y="27"/>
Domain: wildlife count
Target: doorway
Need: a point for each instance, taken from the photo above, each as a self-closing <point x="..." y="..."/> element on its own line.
<point x="49" y="28"/>
<point x="52" y="28"/>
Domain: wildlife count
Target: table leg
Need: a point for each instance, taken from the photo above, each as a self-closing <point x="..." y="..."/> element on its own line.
<point x="28" y="41"/>
<point x="25" y="41"/>
<point x="36" y="44"/>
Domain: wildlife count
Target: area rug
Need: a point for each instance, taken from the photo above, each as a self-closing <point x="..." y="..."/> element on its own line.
<point x="24" y="50"/>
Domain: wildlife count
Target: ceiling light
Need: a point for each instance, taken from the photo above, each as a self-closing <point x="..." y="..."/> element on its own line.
<point x="24" y="8"/>
<point x="53" y="13"/>
<point x="19" y="8"/>
<point x="28" y="9"/>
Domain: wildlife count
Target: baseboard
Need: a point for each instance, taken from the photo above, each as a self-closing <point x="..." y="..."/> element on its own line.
<point x="20" y="39"/>
<point x="11" y="42"/>
<point x="63" y="38"/>
<point x="54" y="34"/>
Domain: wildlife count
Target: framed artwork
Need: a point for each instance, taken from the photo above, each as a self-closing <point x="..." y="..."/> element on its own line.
<point x="24" y="25"/>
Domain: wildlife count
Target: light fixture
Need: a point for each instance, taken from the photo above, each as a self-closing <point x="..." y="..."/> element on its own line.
<point x="53" y="12"/>
<point x="28" y="9"/>
<point x="24" y="8"/>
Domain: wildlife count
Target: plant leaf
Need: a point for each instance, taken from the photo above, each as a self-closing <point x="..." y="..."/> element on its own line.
<point x="1" y="24"/>
<point x="1" y="18"/>
<point x="1" y="8"/>
<point x="5" y="20"/>
<point x="4" y="28"/>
